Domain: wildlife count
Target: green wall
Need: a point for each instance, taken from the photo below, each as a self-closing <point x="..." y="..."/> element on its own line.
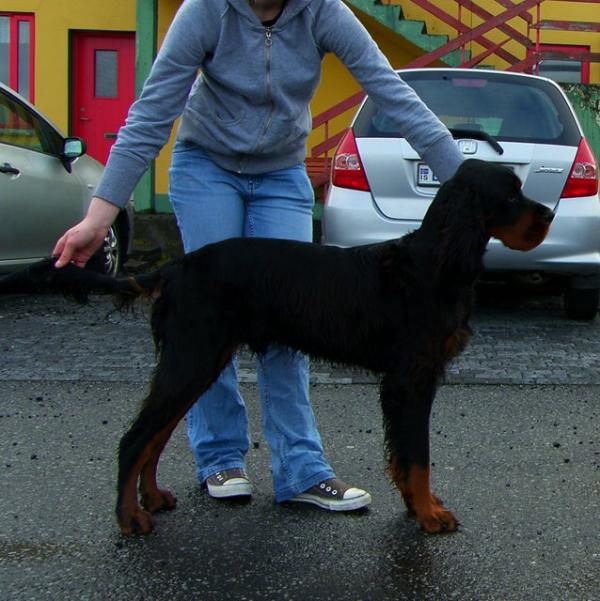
<point x="585" y="99"/>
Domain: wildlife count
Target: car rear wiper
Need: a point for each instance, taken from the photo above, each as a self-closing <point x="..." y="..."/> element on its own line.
<point x="477" y="134"/>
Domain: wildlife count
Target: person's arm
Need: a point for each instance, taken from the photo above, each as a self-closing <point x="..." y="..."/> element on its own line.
<point x="147" y="127"/>
<point x="340" y="32"/>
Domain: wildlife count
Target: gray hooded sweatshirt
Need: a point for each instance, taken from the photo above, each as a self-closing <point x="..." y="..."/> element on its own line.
<point x="249" y="106"/>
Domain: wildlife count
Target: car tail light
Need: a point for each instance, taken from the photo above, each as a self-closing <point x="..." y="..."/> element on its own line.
<point x="583" y="179"/>
<point x="347" y="170"/>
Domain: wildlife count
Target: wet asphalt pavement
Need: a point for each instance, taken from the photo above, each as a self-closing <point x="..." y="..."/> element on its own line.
<point x="515" y="447"/>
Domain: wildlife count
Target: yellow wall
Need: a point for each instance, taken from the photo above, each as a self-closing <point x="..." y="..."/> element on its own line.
<point x="55" y="18"/>
<point x="53" y="21"/>
<point x="167" y="10"/>
<point x="337" y="84"/>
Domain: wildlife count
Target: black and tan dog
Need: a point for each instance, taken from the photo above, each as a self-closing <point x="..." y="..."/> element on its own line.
<point x="400" y="309"/>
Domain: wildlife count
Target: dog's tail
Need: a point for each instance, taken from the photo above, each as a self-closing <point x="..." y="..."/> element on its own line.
<point x="77" y="283"/>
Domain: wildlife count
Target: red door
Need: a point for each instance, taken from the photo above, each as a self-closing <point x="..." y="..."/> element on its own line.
<point x="103" y="75"/>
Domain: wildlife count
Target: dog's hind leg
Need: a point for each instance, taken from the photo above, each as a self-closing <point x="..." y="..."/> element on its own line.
<point x="406" y="403"/>
<point x="140" y="447"/>
<point x="178" y="382"/>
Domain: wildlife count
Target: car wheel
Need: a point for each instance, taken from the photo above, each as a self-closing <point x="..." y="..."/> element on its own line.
<point x="581" y="303"/>
<point x="109" y="258"/>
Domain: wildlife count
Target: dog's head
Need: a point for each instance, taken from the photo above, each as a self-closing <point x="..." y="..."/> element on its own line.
<point x="482" y="200"/>
<point x="508" y="215"/>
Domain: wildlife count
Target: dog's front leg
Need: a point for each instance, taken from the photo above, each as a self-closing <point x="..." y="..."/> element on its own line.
<point x="406" y="402"/>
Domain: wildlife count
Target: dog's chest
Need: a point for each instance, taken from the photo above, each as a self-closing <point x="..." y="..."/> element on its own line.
<point x="456" y="329"/>
<point x="456" y="342"/>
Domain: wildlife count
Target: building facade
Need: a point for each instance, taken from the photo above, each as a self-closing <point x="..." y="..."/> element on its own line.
<point x="82" y="62"/>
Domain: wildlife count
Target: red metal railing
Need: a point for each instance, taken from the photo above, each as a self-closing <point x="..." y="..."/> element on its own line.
<point x="319" y="162"/>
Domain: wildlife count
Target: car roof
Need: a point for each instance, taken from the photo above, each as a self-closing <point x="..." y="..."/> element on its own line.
<point x="487" y="72"/>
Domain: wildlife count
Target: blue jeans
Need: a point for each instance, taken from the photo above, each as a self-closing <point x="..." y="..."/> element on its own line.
<point x="213" y="204"/>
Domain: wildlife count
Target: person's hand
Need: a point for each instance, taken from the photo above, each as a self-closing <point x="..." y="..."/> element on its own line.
<point x="78" y="244"/>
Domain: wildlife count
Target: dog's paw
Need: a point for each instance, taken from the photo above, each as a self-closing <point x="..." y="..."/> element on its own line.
<point x="137" y="522"/>
<point x="434" y="518"/>
<point x="158" y="500"/>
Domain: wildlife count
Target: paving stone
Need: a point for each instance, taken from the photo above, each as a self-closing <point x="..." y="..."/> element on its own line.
<point x="46" y="337"/>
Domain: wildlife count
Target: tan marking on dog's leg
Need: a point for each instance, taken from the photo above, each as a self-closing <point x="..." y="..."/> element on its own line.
<point x="428" y="509"/>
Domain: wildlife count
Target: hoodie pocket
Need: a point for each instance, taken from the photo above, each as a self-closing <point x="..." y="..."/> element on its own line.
<point x="226" y="118"/>
<point x="282" y="133"/>
<point x="203" y="102"/>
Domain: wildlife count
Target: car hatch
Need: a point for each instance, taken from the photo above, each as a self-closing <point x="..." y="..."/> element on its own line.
<point x="402" y="186"/>
<point x="522" y="123"/>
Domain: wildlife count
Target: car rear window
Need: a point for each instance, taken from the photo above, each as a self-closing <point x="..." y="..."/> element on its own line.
<point x="509" y="108"/>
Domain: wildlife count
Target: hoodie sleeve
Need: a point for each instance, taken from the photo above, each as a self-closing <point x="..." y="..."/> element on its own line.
<point x="150" y="119"/>
<point x="340" y="32"/>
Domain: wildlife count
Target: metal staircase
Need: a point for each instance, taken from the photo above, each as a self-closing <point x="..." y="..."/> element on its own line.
<point x="506" y="24"/>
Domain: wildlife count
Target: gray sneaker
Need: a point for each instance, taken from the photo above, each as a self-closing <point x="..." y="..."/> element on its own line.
<point x="229" y="483"/>
<point x="335" y="495"/>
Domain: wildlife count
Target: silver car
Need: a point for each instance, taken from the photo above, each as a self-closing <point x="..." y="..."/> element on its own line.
<point x="381" y="189"/>
<point x="46" y="184"/>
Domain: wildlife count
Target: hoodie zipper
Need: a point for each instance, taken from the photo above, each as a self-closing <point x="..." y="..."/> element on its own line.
<point x="268" y="44"/>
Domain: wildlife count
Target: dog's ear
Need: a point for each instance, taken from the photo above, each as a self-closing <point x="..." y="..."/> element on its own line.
<point x="462" y="234"/>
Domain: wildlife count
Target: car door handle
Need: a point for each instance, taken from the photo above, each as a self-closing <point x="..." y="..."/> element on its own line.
<point x="110" y="136"/>
<point x="8" y="168"/>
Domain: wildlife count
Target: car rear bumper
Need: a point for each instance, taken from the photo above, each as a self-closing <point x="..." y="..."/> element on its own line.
<point x="572" y="246"/>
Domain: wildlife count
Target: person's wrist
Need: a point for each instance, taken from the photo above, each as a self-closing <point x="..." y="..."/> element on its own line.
<point x="101" y="214"/>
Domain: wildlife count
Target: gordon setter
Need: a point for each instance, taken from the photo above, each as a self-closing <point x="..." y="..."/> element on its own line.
<point x="399" y="309"/>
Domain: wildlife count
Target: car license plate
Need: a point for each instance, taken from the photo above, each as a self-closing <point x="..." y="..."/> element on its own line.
<point x="425" y="176"/>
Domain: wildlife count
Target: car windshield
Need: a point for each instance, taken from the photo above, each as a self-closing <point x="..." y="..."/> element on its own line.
<point x="507" y="107"/>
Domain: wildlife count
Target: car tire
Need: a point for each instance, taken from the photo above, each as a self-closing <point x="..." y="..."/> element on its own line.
<point x="109" y="258"/>
<point x="581" y="303"/>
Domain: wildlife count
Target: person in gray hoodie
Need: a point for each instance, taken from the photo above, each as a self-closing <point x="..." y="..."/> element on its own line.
<point x="241" y="74"/>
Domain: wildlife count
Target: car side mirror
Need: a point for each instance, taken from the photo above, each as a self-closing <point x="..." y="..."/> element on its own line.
<point x="72" y="149"/>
